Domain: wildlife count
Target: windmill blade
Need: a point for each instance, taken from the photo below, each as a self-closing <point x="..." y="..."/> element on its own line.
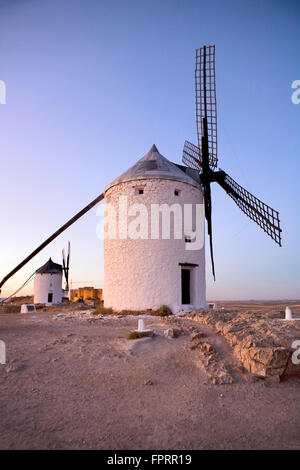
<point x="208" y="211"/>
<point x="206" y="106"/>
<point x="64" y="258"/>
<point x="64" y="264"/>
<point x="192" y="157"/>
<point x="69" y="254"/>
<point x="68" y="266"/>
<point x="266" y="217"/>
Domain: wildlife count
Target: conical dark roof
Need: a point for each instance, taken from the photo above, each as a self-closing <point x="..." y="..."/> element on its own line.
<point x="50" y="268"/>
<point x="154" y="165"/>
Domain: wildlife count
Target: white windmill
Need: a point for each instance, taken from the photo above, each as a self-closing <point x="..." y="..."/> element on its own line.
<point x="48" y="284"/>
<point x="142" y="273"/>
<point x="150" y="268"/>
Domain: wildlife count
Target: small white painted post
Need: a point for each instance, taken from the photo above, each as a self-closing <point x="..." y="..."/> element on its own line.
<point x="2" y="352"/>
<point x="141" y="324"/>
<point x="288" y="313"/>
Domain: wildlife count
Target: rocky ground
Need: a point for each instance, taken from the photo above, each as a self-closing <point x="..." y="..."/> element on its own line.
<point x="73" y="381"/>
<point x="260" y="340"/>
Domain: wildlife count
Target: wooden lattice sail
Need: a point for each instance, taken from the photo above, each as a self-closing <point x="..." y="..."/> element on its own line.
<point x="204" y="157"/>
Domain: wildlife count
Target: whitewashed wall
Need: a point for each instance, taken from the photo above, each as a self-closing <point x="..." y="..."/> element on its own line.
<point x="45" y="284"/>
<point x="141" y="274"/>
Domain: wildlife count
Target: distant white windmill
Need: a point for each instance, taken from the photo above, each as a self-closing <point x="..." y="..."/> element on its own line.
<point x="48" y="281"/>
<point x="48" y="284"/>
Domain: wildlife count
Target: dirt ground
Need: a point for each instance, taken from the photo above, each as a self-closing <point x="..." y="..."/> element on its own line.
<point x="76" y="382"/>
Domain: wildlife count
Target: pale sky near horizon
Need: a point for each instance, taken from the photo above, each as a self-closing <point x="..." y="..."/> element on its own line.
<point x="91" y="85"/>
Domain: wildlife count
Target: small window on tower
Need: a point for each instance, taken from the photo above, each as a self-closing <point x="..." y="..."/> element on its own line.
<point x="177" y="192"/>
<point x="139" y="190"/>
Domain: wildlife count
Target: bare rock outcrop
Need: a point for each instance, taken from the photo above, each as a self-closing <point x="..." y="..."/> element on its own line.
<point x="211" y="362"/>
<point x="262" y="344"/>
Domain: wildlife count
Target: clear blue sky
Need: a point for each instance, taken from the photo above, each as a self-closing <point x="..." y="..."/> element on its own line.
<point x="91" y="85"/>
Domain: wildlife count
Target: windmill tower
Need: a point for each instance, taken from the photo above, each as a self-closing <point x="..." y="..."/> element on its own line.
<point x="150" y="269"/>
<point x="47" y="284"/>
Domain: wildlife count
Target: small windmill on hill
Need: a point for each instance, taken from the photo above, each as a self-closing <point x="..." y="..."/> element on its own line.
<point x="204" y="157"/>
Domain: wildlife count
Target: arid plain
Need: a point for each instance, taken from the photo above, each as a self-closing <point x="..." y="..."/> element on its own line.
<point x="73" y="381"/>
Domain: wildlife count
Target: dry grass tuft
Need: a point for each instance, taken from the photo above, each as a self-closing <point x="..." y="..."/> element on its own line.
<point x="138" y="334"/>
<point x="103" y="311"/>
<point x="123" y="313"/>
<point x="163" y="311"/>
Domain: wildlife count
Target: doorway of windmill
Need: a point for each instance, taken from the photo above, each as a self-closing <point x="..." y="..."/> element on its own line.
<point x="185" y="286"/>
<point x="50" y="297"/>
